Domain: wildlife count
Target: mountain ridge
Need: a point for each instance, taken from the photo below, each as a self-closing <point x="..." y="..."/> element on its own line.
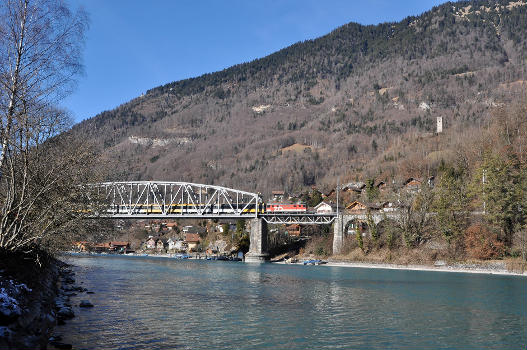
<point x="346" y="98"/>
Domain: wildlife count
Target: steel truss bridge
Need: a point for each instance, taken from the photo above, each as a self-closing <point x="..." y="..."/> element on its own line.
<point x="184" y="200"/>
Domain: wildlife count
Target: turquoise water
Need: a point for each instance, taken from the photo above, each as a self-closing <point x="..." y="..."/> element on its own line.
<point x="158" y="303"/>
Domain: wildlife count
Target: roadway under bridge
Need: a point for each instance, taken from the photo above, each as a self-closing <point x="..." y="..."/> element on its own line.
<point x="184" y="200"/>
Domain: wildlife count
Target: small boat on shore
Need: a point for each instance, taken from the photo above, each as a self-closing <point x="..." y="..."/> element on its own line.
<point x="181" y="256"/>
<point x="314" y="262"/>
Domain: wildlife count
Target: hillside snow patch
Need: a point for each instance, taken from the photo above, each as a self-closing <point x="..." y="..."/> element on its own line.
<point x="424" y="106"/>
<point x="260" y="108"/>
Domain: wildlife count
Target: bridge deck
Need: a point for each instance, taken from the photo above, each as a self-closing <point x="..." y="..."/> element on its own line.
<point x="271" y="218"/>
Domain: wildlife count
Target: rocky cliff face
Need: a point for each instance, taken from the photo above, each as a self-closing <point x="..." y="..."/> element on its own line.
<point x="335" y="106"/>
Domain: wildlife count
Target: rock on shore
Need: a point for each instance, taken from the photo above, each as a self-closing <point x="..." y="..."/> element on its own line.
<point x="27" y="315"/>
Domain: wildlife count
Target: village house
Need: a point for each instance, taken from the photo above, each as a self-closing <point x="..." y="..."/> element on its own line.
<point x="171" y="226"/>
<point x="293" y="230"/>
<point x="175" y="244"/>
<point x="353" y="186"/>
<point x="181" y="246"/>
<point x="102" y="248"/>
<point x="357" y="226"/>
<point x="412" y="184"/>
<point x="151" y="243"/>
<point x="357" y="207"/>
<point x="232" y="227"/>
<point x="277" y="196"/>
<point x="82" y="246"/>
<point x="350" y="187"/>
<point x="324" y="208"/>
<point x="388" y="206"/>
<point x="119" y="247"/>
<point x="160" y="244"/>
<point x="171" y="242"/>
<point x="192" y="240"/>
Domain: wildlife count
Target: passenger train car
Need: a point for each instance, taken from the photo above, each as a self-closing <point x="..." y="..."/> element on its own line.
<point x="188" y="208"/>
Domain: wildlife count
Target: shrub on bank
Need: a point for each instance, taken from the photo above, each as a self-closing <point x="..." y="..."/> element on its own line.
<point x="481" y="243"/>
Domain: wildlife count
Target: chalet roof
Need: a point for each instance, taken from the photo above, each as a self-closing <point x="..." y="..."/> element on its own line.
<point x="102" y="245"/>
<point x="330" y="193"/>
<point x="410" y="179"/>
<point x="367" y="205"/>
<point x="192" y="238"/>
<point x="333" y="206"/>
<point x="321" y="204"/>
<point x="354" y="186"/>
<point x="119" y="243"/>
<point x="353" y="204"/>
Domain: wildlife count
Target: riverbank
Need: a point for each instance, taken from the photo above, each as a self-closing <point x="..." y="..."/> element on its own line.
<point x="492" y="267"/>
<point x="458" y="267"/>
<point x="489" y="267"/>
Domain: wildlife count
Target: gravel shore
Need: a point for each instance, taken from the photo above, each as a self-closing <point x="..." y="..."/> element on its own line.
<point x="491" y="269"/>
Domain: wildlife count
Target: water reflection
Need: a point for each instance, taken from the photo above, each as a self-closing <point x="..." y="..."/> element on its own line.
<point x="148" y="303"/>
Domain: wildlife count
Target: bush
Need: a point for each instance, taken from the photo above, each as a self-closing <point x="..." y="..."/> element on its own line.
<point x="481" y="243"/>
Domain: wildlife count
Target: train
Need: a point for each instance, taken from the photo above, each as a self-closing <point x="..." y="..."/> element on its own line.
<point x="285" y="208"/>
<point x="189" y="208"/>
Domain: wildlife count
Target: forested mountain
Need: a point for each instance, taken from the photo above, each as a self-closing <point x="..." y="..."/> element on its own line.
<point x="359" y="102"/>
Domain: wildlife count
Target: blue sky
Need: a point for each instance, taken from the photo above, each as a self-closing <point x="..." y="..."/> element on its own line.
<point x="133" y="46"/>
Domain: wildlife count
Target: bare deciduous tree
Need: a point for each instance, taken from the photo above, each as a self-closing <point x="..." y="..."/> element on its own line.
<point x="413" y="219"/>
<point x="40" y="46"/>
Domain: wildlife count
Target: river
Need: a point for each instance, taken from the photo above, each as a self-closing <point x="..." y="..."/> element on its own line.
<point x="163" y="303"/>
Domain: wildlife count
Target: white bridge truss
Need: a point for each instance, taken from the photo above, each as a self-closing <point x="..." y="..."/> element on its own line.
<point x="149" y="199"/>
<point x="301" y="218"/>
<point x="158" y="199"/>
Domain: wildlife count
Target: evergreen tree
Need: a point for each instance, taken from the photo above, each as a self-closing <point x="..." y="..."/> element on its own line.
<point x="316" y="198"/>
<point x="451" y="203"/>
<point x="372" y="226"/>
<point x="372" y="192"/>
<point x="498" y="186"/>
<point x="240" y="227"/>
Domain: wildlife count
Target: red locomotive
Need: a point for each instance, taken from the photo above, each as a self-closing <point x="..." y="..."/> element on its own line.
<point x="285" y="208"/>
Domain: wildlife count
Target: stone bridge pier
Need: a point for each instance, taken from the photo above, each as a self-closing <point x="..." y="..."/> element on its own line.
<point x="258" y="246"/>
<point x="338" y="234"/>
